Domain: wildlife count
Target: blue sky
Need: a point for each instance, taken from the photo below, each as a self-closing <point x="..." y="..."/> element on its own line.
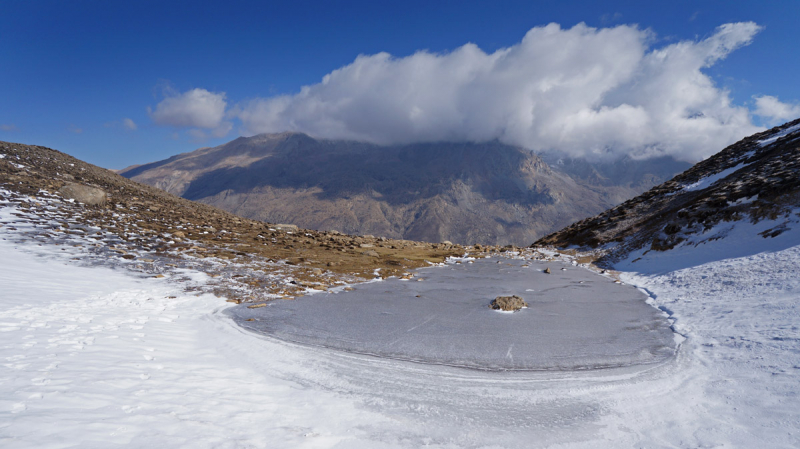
<point x="79" y="76"/>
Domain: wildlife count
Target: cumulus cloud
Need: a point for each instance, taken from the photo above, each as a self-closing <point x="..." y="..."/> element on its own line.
<point x="582" y="91"/>
<point x="196" y="108"/>
<point x="774" y="110"/>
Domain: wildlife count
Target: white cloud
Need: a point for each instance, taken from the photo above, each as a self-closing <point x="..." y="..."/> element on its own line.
<point x="582" y="91"/>
<point x="774" y="110"/>
<point x="197" y="108"/>
<point x="8" y="127"/>
<point x="129" y="124"/>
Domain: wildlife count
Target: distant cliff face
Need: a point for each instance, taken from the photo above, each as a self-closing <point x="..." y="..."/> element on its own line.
<point x="487" y="193"/>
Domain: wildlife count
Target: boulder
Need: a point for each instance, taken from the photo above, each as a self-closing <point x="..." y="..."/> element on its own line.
<point x="508" y="303"/>
<point x="91" y="196"/>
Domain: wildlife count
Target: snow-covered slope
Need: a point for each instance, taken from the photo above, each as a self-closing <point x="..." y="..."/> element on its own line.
<point x="747" y="195"/>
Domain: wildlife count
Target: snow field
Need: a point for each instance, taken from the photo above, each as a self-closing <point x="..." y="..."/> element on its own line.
<point x="90" y="357"/>
<point x="96" y="357"/>
<point x="742" y="320"/>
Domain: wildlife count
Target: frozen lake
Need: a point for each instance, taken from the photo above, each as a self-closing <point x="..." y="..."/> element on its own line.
<point x="576" y="319"/>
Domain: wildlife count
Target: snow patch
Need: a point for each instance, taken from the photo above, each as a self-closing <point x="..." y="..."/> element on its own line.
<point x="779" y="135"/>
<point x="709" y="180"/>
<point x="724" y="241"/>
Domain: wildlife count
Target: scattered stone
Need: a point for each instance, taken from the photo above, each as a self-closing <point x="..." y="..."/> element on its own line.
<point x="371" y="253"/>
<point x="547" y="270"/>
<point x="508" y="303"/>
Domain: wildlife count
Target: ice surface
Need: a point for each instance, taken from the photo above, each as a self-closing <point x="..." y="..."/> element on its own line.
<point x="576" y="319"/>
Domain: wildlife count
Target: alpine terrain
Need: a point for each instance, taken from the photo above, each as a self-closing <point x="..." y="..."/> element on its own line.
<point x="115" y="328"/>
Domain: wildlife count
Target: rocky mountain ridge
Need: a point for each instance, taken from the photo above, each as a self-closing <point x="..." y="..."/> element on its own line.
<point x="754" y="181"/>
<point x="488" y="193"/>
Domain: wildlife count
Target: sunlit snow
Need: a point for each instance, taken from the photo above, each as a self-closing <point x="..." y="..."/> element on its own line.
<point x="102" y="357"/>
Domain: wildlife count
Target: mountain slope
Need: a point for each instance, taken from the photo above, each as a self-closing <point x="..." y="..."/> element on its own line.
<point x="487" y="193"/>
<point x="749" y="189"/>
<point x="155" y="230"/>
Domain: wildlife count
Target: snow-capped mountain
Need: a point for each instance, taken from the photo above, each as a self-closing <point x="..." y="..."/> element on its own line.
<point x="747" y="195"/>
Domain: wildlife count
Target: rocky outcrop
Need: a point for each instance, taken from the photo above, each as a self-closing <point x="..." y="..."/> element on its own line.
<point x="508" y="303"/>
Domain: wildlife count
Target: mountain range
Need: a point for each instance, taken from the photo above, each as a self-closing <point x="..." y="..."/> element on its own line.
<point x="487" y="193"/>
